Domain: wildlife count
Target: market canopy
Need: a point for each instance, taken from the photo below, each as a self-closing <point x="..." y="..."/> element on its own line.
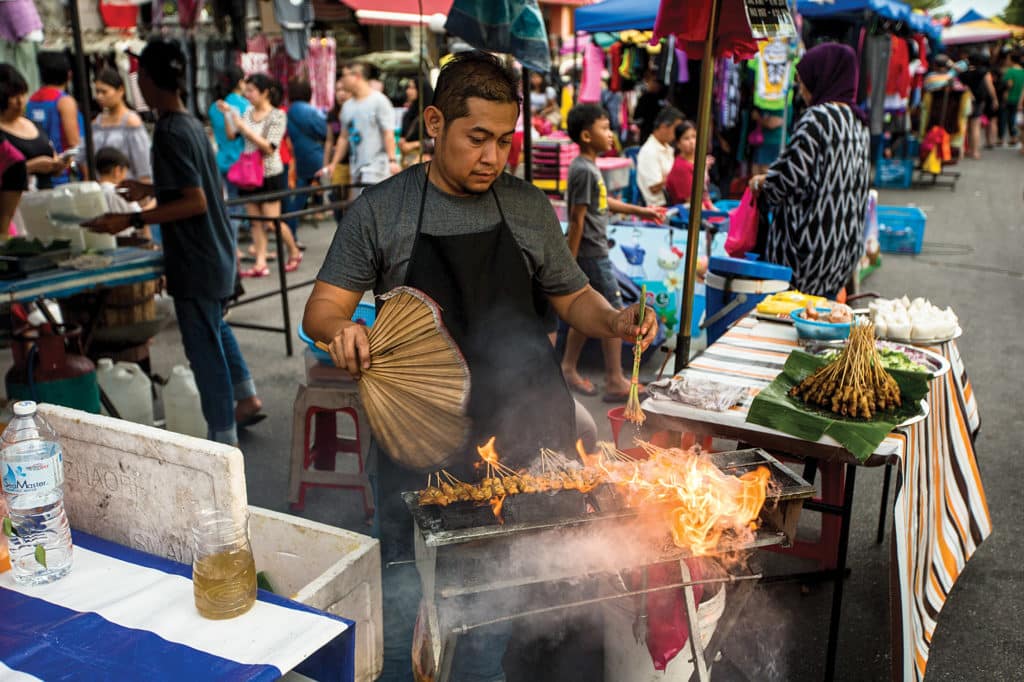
<point x="890" y="9"/>
<point x="617" y="15"/>
<point x="983" y="31"/>
<point x="971" y="15"/>
<point x="397" y="12"/>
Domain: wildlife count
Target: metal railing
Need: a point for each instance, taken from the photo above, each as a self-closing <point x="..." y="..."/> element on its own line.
<point x="283" y="286"/>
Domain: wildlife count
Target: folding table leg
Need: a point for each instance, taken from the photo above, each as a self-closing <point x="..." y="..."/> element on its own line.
<point x="840" y="573"/>
<point x="884" y="506"/>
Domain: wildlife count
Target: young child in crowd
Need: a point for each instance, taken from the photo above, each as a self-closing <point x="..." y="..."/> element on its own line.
<point x="111" y="169"/>
<point x="589" y="203"/>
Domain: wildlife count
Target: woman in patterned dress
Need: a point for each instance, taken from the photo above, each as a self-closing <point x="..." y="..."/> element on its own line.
<point x="818" y="188"/>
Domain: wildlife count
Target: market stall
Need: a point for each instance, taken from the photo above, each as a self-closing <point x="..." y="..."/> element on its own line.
<point x="933" y="453"/>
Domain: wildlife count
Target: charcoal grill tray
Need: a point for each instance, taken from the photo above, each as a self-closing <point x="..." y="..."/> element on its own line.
<point x="546" y="511"/>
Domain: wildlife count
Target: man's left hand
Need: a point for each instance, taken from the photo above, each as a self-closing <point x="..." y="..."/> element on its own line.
<point x="627" y="329"/>
<point x="110" y="223"/>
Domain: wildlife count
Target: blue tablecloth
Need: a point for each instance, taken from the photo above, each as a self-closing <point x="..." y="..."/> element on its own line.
<point x="130" y="265"/>
<point x="126" y="615"/>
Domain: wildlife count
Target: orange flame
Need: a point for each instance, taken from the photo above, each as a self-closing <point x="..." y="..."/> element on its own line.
<point x="496" y="503"/>
<point x="588" y="460"/>
<point x="487" y="452"/>
<point x="701" y="501"/>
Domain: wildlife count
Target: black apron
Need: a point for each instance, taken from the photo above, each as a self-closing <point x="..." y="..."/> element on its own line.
<point x="490" y="306"/>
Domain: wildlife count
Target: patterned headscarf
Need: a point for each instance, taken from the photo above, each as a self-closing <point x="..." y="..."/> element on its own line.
<point x="829" y="72"/>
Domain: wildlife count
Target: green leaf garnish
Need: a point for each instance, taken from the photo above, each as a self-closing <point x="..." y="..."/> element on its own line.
<point x="8" y="527"/>
<point x="40" y="555"/>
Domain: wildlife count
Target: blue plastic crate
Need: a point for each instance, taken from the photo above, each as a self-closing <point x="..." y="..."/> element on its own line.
<point x="366" y="313"/>
<point x="894" y="173"/>
<point x="901" y="229"/>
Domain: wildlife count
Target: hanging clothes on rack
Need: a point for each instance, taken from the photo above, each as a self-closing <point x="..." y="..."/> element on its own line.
<point x="296" y="20"/>
<point x="590" y="83"/>
<point x="773" y="74"/>
<point x="231" y="14"/>
<point x="118" y="14"/>
<point x="322" y="65"/>
<point x="20" y="35"/>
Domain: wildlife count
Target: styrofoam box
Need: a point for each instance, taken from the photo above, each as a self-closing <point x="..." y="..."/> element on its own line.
<point x="328" y="568"/>
<point x="139" y="486"/>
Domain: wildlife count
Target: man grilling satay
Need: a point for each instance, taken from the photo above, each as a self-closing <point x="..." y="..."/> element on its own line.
<point x="487" y="247"/>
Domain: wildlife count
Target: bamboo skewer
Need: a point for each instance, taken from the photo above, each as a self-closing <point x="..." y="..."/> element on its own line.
<point x="633" y="412"/>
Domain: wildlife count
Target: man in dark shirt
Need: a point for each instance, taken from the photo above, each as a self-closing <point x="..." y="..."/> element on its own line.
<point x="199" y="243"/>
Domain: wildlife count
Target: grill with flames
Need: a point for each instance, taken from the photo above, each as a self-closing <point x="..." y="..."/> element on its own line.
<point x="496" y="557"/>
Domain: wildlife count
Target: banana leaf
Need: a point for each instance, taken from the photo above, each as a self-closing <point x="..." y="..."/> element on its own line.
<point x="775" y="408"/>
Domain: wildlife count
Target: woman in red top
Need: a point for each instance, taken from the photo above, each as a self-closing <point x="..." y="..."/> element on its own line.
<point x="679" y="183"/>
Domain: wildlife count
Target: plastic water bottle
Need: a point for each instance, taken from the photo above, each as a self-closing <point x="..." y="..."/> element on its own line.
<point x="33" y="484"/>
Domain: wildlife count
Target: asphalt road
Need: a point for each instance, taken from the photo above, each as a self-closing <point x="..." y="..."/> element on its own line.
<point x="973" y="260"/>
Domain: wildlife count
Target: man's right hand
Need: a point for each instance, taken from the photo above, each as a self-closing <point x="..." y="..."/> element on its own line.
<point x="350" y="349"/>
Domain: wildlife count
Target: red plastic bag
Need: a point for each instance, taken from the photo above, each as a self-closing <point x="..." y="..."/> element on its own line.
<point x="742" y="227"/>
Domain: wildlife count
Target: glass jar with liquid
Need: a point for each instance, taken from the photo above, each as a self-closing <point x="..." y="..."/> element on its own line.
<point x="223" y="569"/>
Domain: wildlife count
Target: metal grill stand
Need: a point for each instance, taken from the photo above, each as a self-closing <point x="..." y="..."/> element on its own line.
<point x="485" y="575"/>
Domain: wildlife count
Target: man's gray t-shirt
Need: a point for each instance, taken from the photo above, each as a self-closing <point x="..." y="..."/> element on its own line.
<point x="365" y="120"/>
<point x="199" y="252"/>
<point x="586" y="188"/>
<point x="373" y="243"/>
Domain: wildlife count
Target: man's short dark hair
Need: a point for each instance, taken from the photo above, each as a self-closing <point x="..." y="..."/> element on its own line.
<point x="668" y="116"/>
<point x="109" y="158"/>
<point x="581" y="117"/>
<point x="12" y="84"/>
<point x="53" y="68"/>
<point x="362" y="68"/>
<point x="473" y="74"/>
<point x="164" y="63"/>
<point x="299" y="90"/>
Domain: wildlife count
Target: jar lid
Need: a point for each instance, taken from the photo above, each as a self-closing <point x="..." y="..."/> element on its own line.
<point x="24" y="408"/>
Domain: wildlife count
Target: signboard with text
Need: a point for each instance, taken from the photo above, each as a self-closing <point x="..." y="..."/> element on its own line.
<point x="769" y="19"/>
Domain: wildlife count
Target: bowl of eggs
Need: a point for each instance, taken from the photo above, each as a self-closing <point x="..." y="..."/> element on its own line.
<point x="823" y="323"/>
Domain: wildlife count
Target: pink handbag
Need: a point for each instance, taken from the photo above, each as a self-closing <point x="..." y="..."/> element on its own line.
<point x="742" y="236"/>
<point x="247" y="172"/>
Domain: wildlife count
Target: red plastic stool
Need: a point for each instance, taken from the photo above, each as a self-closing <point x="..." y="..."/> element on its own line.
<point x="315" y="451"/>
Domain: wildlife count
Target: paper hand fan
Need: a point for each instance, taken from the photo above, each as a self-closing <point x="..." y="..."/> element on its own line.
<point x="416" y="390"/>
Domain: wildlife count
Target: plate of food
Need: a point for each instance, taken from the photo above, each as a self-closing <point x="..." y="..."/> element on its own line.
<point x="823" y="323"/>
<point x="778" y="306"/>
<point x="917" y="322"/>
<point x="898" y="356"/>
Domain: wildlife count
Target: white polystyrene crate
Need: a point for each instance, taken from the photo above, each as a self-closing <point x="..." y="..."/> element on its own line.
<point x="328" y="568"/>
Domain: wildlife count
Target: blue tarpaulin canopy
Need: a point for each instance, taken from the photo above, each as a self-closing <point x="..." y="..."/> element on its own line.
<point x="971" y="15"/>
<point x="890" y="9"/>
<point x="617" y="15"/>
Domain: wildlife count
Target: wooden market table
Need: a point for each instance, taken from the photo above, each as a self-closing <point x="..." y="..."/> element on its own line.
<point x="940" y="515"/>
<point x="130" y="265"/>
<point x="124" y="614"/>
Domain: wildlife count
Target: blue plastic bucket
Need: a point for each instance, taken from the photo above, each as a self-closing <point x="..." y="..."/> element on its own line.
<point x="755" y="290"/>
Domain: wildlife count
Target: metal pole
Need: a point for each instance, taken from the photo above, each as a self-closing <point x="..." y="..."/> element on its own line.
<point x="82" y="87"/>
<point x="707" y="72"/>
<point x="283" y="277"/>
<point x="527" y="129"/>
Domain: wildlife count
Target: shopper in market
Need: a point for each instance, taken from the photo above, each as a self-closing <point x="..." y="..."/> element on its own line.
<point x="53" y="109"/>
<point x="199" y="243"/>
<point x="413" y="148"/>
<point x="13" y="181"/>
<point x="119" y="127"/>
<point x="307" y="131"/>
<point x="263" y="126"/>
<point x="679" y="184"/>
<point x="461" y="219"/>
<point x="589" y="210"/>
<point x="230" y="85"/>
<point x="656" y="156"/>
<point x="818" y="187"/>
<point x="28" y="138"/>
<point x="367" y="132"/>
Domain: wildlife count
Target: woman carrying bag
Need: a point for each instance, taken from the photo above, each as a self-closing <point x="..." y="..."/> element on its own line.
<point x="260" y="170"/>
<point x="817" y="189"/>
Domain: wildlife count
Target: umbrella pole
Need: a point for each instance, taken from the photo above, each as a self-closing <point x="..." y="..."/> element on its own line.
<point x="707" y="74"/>
<point x="527" y="153"/>
<point x="82" y="87"/>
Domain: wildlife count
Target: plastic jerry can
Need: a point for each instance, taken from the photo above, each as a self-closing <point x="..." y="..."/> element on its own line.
<point x="182" y="409"/>
<point x="128" y="388"/>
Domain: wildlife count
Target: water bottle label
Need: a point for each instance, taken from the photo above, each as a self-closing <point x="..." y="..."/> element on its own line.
<point x="35" y="468"/>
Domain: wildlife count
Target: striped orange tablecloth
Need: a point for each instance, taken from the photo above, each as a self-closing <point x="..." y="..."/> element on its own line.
<point x="941" y="515"/>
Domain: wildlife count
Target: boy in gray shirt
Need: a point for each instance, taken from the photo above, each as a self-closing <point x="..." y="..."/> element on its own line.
<point x="589" y="203"/>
